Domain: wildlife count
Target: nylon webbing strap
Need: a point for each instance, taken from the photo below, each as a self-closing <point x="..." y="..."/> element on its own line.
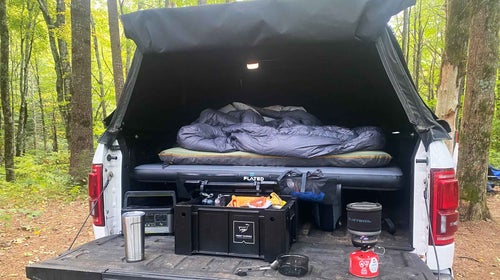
<point x="303" y="182"/>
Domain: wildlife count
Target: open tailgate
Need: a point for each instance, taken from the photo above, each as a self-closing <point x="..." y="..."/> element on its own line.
<point x="104" y="259"/>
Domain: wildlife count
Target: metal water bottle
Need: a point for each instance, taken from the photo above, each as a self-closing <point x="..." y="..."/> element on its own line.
<point x="363" y="263"/>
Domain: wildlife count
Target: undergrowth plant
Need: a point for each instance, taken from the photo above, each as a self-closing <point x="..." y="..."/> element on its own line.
<point x="39" y="179"/>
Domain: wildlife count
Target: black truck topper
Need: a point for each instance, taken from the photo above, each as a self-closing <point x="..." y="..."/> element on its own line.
<point x="173" y="41"/>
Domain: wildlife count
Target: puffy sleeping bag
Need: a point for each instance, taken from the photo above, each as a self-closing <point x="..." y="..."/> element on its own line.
<point x="279" y="131"/>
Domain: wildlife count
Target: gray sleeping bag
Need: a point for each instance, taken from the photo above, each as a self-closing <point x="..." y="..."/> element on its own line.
<point x="278" y="131"/>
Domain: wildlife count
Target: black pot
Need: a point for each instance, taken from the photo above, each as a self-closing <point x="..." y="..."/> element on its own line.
<point x="293" y="265"/>
<point x="364" y="221"/>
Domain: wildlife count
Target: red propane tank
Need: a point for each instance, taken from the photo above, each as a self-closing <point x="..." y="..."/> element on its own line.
<point x="363" y="264"/>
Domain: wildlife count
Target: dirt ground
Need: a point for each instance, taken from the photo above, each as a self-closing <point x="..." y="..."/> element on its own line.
<point x="34" y="237"/>
<point x="477" y="254"/>
<point x="26" y="239"/>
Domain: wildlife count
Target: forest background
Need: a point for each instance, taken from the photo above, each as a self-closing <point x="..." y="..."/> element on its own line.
<point x="40" y="64"/>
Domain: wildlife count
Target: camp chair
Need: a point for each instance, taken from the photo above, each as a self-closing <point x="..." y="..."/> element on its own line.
<point x="493" y="177"/>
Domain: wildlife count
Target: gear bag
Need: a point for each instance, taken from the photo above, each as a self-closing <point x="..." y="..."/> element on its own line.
<point x="303" y="185"/>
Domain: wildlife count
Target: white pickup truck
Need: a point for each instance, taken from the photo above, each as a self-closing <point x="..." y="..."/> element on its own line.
<point x="337" y="59"/>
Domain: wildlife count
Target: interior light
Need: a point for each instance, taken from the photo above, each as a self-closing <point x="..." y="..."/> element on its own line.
<point x="252" y="65"/>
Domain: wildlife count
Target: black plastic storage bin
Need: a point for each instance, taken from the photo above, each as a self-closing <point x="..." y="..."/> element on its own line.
<point x="242" y="232"/>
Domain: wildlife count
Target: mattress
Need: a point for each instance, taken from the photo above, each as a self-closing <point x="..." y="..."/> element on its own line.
<point x="177" y="155"/>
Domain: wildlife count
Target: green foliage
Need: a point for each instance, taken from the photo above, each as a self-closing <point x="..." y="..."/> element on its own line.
<point x="431" y="20"/>
<point x="5" y="216"/>
<point x="102" y="105"/>
<point x="495" y="158"/>
<point x="495" y="136"/>
<point x="40" y="178"/>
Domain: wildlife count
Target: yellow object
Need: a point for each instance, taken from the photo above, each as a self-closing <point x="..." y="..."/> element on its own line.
<point x="243" y="201"/>
<point x="276" y="200"/>
<point x="257" y="201"/>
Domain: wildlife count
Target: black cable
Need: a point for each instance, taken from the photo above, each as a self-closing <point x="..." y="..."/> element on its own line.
<point x="110" y="175"/>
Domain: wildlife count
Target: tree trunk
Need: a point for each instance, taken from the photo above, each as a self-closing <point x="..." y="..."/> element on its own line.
<point x="66" y="69"/>
<point x="406" y="51"/>
<point x="453" y="63"/>
<point x="128" y="48"/>
<point x="404" y="35"/>
<point x="35" y="130"/>
<point x="21" y="125"/>
<point x="169" y="4"/>
<point x="55" y="141"/>
<point x="478" y="108"/>
<point x="100" y="79"/>
<point x="5" y="94"/>
<point x="116" y="55"/>
<point x="27" y="28"/>
<point x="417" y="45"/>
<point x="81" y="139"/>
<point x="26" y="47"/>
<point x="40" y="103"/>
<point x="202" y="2"/>
<point x="59" y="50"/>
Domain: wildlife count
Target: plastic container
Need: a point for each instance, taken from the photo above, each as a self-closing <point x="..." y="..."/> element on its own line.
<point x="243" y="232"/>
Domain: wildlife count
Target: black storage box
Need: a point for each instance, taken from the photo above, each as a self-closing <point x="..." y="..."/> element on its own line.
<point x="230" y="231"/>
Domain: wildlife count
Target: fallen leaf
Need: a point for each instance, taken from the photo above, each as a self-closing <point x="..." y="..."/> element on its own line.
<point x="26" y="228"/>
<point x="18" y="240"/>
<point x="5" y="244"/>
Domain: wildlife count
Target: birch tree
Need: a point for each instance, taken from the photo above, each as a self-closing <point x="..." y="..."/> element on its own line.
<point x="453" y="63"/>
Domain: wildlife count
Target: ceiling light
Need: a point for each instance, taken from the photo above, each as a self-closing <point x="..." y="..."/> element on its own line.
<point x="252" y="65"/>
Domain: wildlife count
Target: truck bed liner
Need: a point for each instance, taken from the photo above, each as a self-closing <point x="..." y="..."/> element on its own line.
<point x="104" y="259"/>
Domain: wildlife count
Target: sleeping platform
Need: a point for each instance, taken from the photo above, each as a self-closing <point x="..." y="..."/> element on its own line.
<point x="243" y="148"/>
<point x="241" y="171"/>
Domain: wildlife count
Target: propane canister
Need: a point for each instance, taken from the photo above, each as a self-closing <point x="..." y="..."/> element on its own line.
<point x="363" y="263"/>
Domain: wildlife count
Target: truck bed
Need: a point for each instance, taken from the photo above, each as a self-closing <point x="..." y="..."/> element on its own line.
<point x="328" y="259"/>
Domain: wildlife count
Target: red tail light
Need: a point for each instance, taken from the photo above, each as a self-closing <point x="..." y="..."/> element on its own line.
<point x="444" y="205"/>
<point x="96" y="203"/>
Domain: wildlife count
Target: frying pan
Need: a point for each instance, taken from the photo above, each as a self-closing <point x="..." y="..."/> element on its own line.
<point x="288" y="264"/>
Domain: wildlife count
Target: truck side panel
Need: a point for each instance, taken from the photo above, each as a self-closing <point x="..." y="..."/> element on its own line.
<point x="111" y="159"/>
<point x="440" y="158"/>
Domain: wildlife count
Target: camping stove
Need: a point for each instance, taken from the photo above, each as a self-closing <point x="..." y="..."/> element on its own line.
<point x="364" y="225"/>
